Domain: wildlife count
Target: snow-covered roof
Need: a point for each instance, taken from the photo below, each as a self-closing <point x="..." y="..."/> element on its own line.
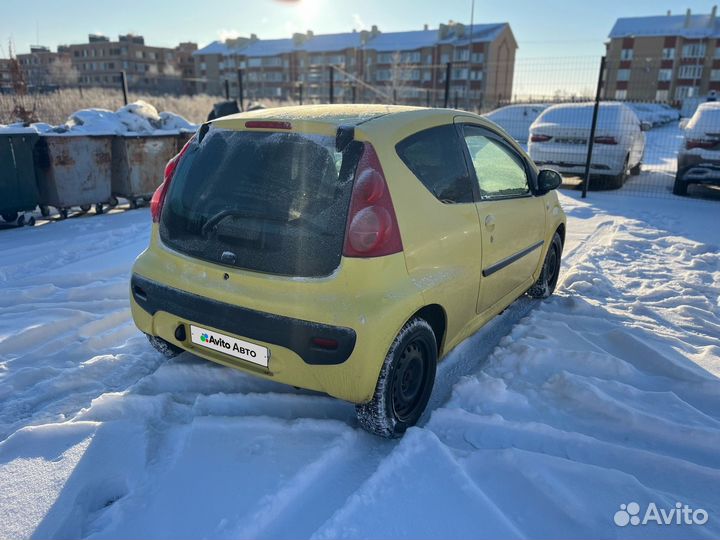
<point x="269" y="47"/>
<point x="480" y="33"/>
<point x="216" y="47"/>
<point x="382" y="42"/>
<point x="403" y="41"/>
<point x="332" y="42"/>
<point x="699" y="26"/>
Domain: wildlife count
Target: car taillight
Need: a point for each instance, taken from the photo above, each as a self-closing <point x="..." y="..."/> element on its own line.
<point x="705" y="144"/>
<point x="539" y="138"/>
<point x="158" y="198"/>
<point x="605" y="140"/>
<point x="372" y="228"/>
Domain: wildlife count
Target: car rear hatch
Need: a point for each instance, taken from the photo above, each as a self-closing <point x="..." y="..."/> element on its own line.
<point x="263" y="195"/>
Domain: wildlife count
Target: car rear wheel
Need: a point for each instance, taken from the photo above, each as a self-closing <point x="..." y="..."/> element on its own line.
<point x="545" y="284"/>
<point x="405" y="383"/>
<point x="166" y="348"/>
<point x="680" y="186"/>
<point x="635" y="171"/>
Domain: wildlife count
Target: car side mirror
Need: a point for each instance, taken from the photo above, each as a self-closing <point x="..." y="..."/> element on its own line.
<point x="645" y="126"/>
<point x="548" y="180"/>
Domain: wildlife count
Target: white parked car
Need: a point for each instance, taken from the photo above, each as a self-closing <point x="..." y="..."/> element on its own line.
<point x="517" y="119"/>
<point x="698" y="159"/>
<point x="559" y="140"/>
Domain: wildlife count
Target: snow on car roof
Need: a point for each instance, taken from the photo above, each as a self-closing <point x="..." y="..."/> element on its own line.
<point x="706" y="117"/>
<point x="700" y="26"/>
<point x="580" y="114"/>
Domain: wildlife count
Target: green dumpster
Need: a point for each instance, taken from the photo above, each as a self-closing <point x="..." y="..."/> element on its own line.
<point x="18" y="188"/>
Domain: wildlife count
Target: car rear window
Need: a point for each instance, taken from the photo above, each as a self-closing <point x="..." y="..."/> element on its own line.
<point x="435" y="156"/>
<point x="580" y="115"/>
<point x="262" y="201"/>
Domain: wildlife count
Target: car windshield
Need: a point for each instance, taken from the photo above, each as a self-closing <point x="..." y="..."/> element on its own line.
<point x="263" y="201"/>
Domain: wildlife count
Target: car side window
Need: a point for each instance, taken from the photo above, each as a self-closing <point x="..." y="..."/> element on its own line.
<point x="435" y="156"/>
<point x="500" y="172"/>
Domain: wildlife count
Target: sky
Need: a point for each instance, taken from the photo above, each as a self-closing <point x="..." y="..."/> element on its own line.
<point x="553" y="36"/>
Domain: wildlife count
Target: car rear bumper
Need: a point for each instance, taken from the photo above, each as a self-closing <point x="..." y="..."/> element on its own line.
<point x="289" y="333"/>
<point x="696" y="169"/>
<point x="571" y="159"/>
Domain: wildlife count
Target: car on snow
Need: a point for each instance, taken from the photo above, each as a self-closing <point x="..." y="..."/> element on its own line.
<point x="559" y="139"/>
<point x="345" y="249"/>
<point x="698" y="160"/>
<point x="516" y="119"/>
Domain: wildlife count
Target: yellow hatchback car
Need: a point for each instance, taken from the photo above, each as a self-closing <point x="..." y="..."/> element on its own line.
<point x="345" y="249"/>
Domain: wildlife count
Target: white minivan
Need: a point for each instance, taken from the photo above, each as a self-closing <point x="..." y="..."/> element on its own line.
<point x="559" y="140"/>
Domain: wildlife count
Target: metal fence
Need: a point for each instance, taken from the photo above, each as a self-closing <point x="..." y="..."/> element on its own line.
<point x="616" y="126"/>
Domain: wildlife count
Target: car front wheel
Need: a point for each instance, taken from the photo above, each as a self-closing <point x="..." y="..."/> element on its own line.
<point x="545" y="284"/>
<point x="405" y="383"/>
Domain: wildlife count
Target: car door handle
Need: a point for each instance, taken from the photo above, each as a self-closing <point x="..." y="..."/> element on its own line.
<point x="490" y="222"/>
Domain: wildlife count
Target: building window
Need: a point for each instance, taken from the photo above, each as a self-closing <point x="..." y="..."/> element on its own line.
<point x="384" y="58"/>
<point x="476" y="75"/>
<point x="662" y="95"/>
<point x="461" y="55"/>
<point x="668" y="53"/>
<point x="427" y="75"/>
<point x="254" y="62"/>
<point x="717" y="52"/>
<point x="682" y="92"/>
<point x="665" y="75"/>
<point x="459" y="73"/>
<point x="382" y="75"/>
<point x="620" y="94"/>
<point x="693" y="50"/>
<point x="477" y="57"/>
<point x="623" y="75"/>
<point x="445" y="58"/>
<point x="690" y="72"/>
<point x="626" y="54"/>
<point x="715" y="75"/>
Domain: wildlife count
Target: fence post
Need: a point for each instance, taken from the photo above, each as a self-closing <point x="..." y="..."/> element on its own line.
<point x="227" y="90"/>
<point x="300" y="93"/>
<point x="241" y="97"/>
<point x="332" y="83"/>
<point x="455" y="104"/>
<point x="448" y="69"/>
<point x="394" y="96"/>
<point x="354" y="89"/>
<point x="427" y="98"/>
<point x="586" y="183"/>
<point x="123" y="83"/>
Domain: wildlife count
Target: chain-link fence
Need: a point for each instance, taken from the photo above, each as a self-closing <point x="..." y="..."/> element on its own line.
<point x="627" y="125"/>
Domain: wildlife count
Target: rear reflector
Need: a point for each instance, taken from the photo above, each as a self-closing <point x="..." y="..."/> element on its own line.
<point x="605" y="140"/>
<point x="325" y="343"/>
<point x="705" y="144"/>
<point x="267" y="124"/>
<point x="540" y="138"/>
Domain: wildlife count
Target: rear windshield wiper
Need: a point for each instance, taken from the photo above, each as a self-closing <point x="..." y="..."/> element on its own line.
<point x="212" y="222"/>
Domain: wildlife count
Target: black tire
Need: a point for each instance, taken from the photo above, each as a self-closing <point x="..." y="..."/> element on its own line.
<point x="405" y="383"/>
<point x="9" y="217"/>
<point x="30" y="222"/>
<point x="545" y="284"/>
<point x="113" y="202"/>
<point x="44" y="211"/>
<point x="635" y="171"/>
<point x="85" y="208"/>
<point x="163" y="347"/>
<point x="133" y="204"/>
<point x="99" y="208"/>
<point x="63" y="213"/>
<point x="680" y="187"/>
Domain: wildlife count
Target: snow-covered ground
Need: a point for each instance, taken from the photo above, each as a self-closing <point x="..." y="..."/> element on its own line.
<point x="541" y="425"/>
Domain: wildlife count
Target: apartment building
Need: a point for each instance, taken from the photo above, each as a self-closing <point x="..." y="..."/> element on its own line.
<point x="663" y="58"/>
<point x="100" y="61"/>
<point x="6" y="79"/>
<point x="371" y="66"/>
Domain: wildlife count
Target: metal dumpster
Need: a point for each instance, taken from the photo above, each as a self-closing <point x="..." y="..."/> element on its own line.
<point x="18" y="189"/>
<point x="182" y="138"/>
<point x="73" y="170"/>
<point x="138" y="164"/>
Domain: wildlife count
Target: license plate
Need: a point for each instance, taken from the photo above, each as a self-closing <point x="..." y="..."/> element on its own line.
<point x="229" y="345"/>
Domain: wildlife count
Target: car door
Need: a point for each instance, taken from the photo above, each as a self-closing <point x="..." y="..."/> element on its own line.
<point x="512" y="219"/>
